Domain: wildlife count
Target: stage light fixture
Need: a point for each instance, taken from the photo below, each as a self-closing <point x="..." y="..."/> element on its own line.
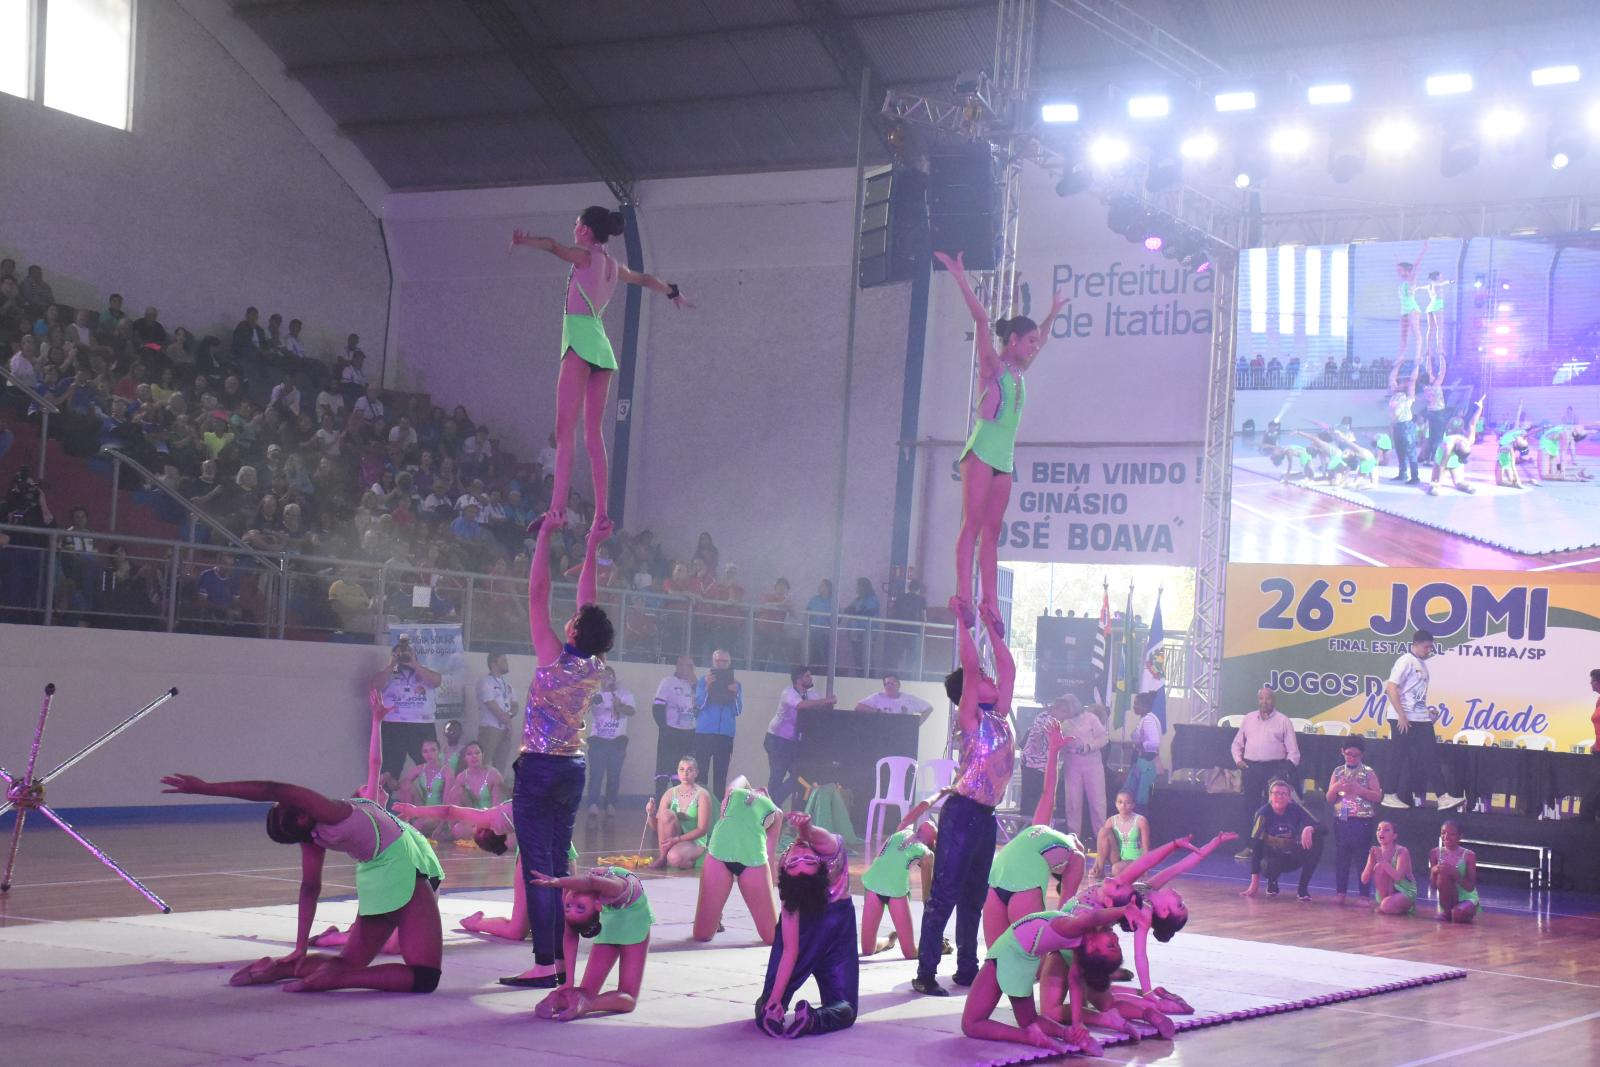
<point x="1199" y="147"/>
<point x="1459" y="153"/>
<point x="1242" y="180"/>
<point x="1503" y="330"/>
<point x="1153" y="243"/>
<point x="1347" y="157"/>
<point x="1502" y="351"/>
<point x="1149" y="107"/>
<point x="1502" y="123"/>
<point x="1059" y="113"/>
<point x="1334" y="93"/>
<point x="1290" y="142"/>
<point x="1251" y="165"/>
<point x="1076" y="177"/>
<point x="1565" y="144"/>
<point x="1238" y="100"/>
<point x="1564" y="74"/>
<point x="1125" y="216"/>
<point x="1108" y="151"/>
<point x="1449" y="84"/>
<point x="1394" y="136"/>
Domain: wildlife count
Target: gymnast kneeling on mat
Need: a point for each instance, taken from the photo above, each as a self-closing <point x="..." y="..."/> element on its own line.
<point x="816" y="937"/>
<point x="745" y="836"/>
<point x="1023" y="870"/>
<point x="1012" y="969"/>
<point x="1114" y="1008"/>
<point x="609" y="905"/>
<point x="397" y="879"/>
<point x="888" y="881"/>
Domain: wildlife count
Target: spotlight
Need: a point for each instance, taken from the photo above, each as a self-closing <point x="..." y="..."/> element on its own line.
<point x="1329" y="94"/>
<point x="1148" y="107"/>
<point x="1458" y="154"/>
<point x="1502" y="123"/>
<point x="1250" y="167"/>
<point x="1242" y="180"/>
<point x="1449" y="84"/>
<point x="1200" y="147"/>
<point x="1564" y="74"/>
<point x="1240" y="100"/>
<point x="1108" y="151"/>
<point x="1394" y="137"/>
<point x="1059" y="112"/>
<point x="1153" y="243"/>
<point x="1347" y="157"/>
<point x="1565" y="144"/>
<point x="1290" y="142"/>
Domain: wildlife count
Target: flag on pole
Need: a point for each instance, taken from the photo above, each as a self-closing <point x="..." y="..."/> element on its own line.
<point x="1153" y="676"/>
<point x="1102" y="648"/>
<point x="1128" y="675"/>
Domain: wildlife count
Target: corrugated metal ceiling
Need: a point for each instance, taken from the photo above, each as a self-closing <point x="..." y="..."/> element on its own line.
<point x="673" y="87"/>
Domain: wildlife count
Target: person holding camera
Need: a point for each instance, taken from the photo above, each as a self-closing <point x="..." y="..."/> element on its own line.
<point x="407" y="689"/>
<point x="718" y="703"/>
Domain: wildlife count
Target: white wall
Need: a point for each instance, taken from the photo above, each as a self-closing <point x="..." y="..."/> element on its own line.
<point x="285" y="710"/>
<point x="739" y="405"/>
<point x="213" y="201"/>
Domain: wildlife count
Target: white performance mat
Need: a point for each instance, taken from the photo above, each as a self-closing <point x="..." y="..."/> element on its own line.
<point x="152" y="990"/>
<point x="1532" y="521"/>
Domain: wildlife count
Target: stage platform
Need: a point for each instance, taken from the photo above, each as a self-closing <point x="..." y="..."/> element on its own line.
<point x="1179" y="809"/>
<point x="152" y="990"/>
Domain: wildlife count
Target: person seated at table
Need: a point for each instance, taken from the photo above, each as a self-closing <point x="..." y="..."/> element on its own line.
<point x="1388" y="871"/>
<point x="1454" y="873"/>
<point x="892" y="700"/>
<point x="1285" y="837"/>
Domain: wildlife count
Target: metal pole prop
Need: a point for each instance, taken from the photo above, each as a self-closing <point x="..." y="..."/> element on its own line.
<point x="26" y="793"/>
<point x="849" y="369"/>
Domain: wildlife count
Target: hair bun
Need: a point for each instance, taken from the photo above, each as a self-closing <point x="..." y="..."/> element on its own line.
<point x="615" y="219"/>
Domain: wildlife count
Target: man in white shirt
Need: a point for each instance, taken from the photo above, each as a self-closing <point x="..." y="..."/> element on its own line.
<point x="1141" y="777"/>
<point x="1415" y="763"/>
<point x="1086" y="768"/>
<point x="547" y="457"/>
<point x="407" y="689"/>
<point x="1264" y="748"/>
<point x="495" y="712"/>
<point x="287" y="394"/>
<point x="292" y="343"/>
<point x="474" y="496"/>
<point x="331" y="402"/>
<point x="353" y="374"/>
<point x="783" y="733"/>
<point x="368" y="406"/>
<point x="891" y="701"/>
<point x="673" y="710"/>
<point x="609" y="712"/>
<point x="402" y="434"/>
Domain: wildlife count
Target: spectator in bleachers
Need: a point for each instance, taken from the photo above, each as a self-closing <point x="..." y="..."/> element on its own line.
<point x="1274" y="373"/>
<point x="291" y="341"/>
<point x="148" y="329"/>
<point x="1292" y="372"/>
<point x="82" y="331"/>
<point x="865" y="606"/>
<point x="36" y="292"/>
<point x="286" y="396"/>
<point x="218" y="590"/>
<point x="901" y="642"/>
<point x="368" y="406"/>
<point x="818" y="616"/>
<point x="248" y="336"/>
<point x="11" y="310"/>
<point x="21" y="364"/>
<point x="113" y="313"/>
<point x="771" y="623"/>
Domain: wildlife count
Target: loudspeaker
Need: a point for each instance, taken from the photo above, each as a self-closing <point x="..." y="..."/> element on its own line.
<point x="894" y="224"/>
<point x="1066" y="658"/>
<point x="963" y="204"/>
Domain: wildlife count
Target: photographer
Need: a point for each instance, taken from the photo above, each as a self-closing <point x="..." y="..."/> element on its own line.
<point x="407" y="690"/>
<point x="22" y="556"/>
<point x="718" y="702"/>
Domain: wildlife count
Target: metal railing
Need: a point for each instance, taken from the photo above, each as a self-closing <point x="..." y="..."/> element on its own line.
<point x="92" y="578"/>
<point x="46" y="409"/>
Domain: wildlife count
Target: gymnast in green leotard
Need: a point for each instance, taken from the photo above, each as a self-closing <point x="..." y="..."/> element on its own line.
<point x="683" y="818"/>
<point x="1454" y="873"/>
<point x="988" y="460"/>
<point x="426" y="783"/>
<point x="1434" y="312"/>
<point x="609" y="905"/>
<point x="1123" y="838"/>
<point x="1454" y="451"/>
<point x="587" y="361"/>
<point x="476" y="786"/>
<point x="1388" y="871"/>
<point x="1021" y="872"/>
<point x="1410" y="311"/>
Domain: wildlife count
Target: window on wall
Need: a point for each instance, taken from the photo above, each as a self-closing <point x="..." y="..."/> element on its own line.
<point x="87" y="58"/>
<point x="16" y="47"/>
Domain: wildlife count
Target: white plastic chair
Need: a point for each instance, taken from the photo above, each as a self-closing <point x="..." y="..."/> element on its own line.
<point x="1536" y="742"/>
<point x="893" y="793"/>
<point x="932" y="776"/>
<point x="1302" y="726"/>
<point x="1232" y="722"/>
<point x="1585" y="746"/>
<point x="1484" y="738"/>
<point x="1332" y="729"/>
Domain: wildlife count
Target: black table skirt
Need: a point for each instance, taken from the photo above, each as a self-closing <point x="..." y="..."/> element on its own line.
<point x="1534" y="778"/>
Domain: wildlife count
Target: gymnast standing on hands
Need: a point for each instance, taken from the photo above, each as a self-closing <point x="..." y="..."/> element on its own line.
<point x="587" y="360"/>
<point x="989" y="457"/>
<point x="397" y="878"/>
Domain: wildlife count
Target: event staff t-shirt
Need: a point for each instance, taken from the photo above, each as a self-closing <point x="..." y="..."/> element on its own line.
<point x="1281" y="832"/>
<point x="677" y="699"/>
<point x="607" y="719"/>
<point x="1410" y="676"/>
<point x="412" y="701"/>
<point x="493" y="689"/>
<point x="786" y="721"/>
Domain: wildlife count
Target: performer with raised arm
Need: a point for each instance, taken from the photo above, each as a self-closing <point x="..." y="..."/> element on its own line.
<point x="1023" y="870"/>
<point x="988" y="459"/>
<point x="1454" y="450"/>
<point x="609" y="905"/>
<point x="550" y="771"/>
<point x="987" y="754"/>
<point x="887" y="882"/>
<point x="1411" y="332"/>
<point x="397" y="877"/>
<point x="587" y="360"/>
